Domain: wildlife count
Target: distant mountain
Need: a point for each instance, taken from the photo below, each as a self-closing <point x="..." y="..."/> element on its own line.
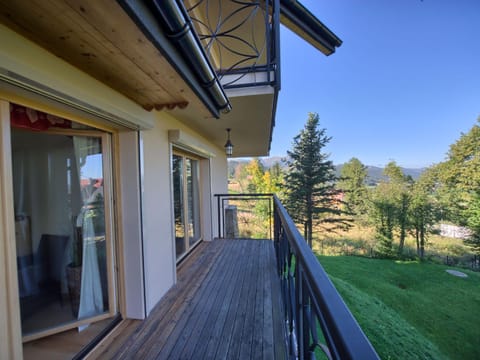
<point x="373" y="177"/>
<point x="375" y="173"/>
<point x="269" y="161"/>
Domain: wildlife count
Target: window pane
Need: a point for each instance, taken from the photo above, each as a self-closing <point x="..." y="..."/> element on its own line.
<point x="60" y="228"/>
<point x="177" y="178"/>
<point x="193" y="200"/>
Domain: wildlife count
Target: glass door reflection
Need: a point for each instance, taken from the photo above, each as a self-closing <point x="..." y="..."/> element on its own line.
<point x="186" y="197"/>
<point x="60" y="228"/>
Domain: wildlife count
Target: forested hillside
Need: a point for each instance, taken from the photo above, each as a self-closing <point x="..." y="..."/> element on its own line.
<point x="374" y="173"/>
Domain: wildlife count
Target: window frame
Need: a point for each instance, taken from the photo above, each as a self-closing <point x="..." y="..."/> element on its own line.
<point x="192" y="156"/>
<point x="110" y="233"/>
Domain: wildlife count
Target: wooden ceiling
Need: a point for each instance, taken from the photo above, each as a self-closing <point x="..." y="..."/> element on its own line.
<point x="99" y="38"/>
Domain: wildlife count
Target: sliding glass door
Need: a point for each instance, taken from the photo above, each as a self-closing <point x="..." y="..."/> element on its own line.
<point x="186" y="197"/>
<point x="62" y="187"/>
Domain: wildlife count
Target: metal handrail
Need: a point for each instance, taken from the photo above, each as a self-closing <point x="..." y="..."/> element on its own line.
<point x="311" y="301"/>
<point x="316" y="317"/>
<point x="223" y="198"/>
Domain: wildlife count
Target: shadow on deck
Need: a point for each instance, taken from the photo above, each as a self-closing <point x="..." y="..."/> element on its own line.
<point x="226" y="305"/>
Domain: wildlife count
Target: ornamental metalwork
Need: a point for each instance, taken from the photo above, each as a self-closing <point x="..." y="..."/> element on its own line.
<point x="240" y="39"/>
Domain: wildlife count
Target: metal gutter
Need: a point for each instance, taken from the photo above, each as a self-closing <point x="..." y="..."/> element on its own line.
<point x="294" y="13"/>
<point x="278" y="84"/>
<point x="167" y="24"/>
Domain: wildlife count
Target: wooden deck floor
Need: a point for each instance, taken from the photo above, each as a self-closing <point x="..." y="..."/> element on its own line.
<point x="226" y="305"/>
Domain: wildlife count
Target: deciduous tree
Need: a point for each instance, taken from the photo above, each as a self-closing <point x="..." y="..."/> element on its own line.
<point x="390" y="202"/>
<point x="352" y="182"/>
<point x="423" y="211"/>
<point x="255" y="171"/>
<point x="459" y="183"/>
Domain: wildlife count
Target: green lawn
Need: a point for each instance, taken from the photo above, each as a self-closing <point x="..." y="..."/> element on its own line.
<point x="410" y="310"/>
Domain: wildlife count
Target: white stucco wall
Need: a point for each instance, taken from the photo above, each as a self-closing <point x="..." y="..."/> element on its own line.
<point x="158" y="217"/>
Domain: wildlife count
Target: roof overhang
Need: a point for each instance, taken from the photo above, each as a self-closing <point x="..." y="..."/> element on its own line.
<point x="252" y="118"/>
<point x="250" y="121"/>
<point x="127" y="45"/>
<point x="302" y="22"/>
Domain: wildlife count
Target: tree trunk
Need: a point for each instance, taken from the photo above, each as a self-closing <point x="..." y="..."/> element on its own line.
<point x="305" y="231"/>
<point x="309" y="219"/>
<point x="418" y="241"/>
<point x="403" y="224"/>
<point x="422" y="243"/>
<point x="310" y="231"/>
<point x="402" y="240"/>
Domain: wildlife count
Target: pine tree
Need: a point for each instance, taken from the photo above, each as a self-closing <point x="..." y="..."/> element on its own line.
<point x="310" y="180"/>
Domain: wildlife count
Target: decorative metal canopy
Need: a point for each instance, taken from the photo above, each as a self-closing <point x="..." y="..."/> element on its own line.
<point x="240" y="39"/>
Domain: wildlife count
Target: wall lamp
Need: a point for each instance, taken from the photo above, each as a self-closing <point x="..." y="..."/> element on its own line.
<point x="228" y="145"/>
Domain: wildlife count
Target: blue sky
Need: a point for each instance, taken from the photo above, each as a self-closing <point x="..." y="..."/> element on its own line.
<point x="403" y="86"/>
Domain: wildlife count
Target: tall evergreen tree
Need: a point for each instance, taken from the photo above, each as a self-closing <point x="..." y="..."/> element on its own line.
<point x="310" y="180"/>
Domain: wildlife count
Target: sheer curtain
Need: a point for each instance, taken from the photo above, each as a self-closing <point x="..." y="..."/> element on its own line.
<point x="27" y="282"/>
<point x="90" y="221"/>
<point x="40" y="207"/>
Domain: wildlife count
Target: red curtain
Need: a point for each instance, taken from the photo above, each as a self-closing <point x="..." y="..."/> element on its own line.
<point x="26" y="118"/>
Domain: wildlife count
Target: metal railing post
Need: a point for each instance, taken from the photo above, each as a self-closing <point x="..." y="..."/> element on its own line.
<point x="300" y="314"/>
<point x="218" y="214"/>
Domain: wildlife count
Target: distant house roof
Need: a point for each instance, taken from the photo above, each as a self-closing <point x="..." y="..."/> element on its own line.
<point x="302" y="22"/>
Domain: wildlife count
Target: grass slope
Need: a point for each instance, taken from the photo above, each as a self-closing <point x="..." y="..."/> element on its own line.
<point x="410" y="306"/>
<point x="391" y="336"/>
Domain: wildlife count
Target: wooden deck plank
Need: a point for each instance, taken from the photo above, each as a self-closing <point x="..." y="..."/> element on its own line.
<point x="248" y="326"/>
<point x="278" y="315"/>
<point x="108" y="347"/>
<point x="258" y="336"/>
<point x="226" y="305"/>
<point x="219" y="344"/>
<point x="179" y="326"/>
<point x="205" y="311"/>
<point x="268" y="338"/>
<point x="233" y="350"/>
<point x="211" y="333"/>
<point x="180" y="294"/>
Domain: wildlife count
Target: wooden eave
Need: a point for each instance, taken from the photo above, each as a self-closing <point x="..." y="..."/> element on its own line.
<point x="99" y="38"/>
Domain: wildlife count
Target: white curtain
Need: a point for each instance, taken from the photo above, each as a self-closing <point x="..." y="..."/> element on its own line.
<point x="26" y="273"/>
<point x="39" y="184"/>
<point x="91" y="297"/>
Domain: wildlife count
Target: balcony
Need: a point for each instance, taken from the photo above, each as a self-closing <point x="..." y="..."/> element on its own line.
<point x="244" y="298"/>
<point x="241" y="40"/>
